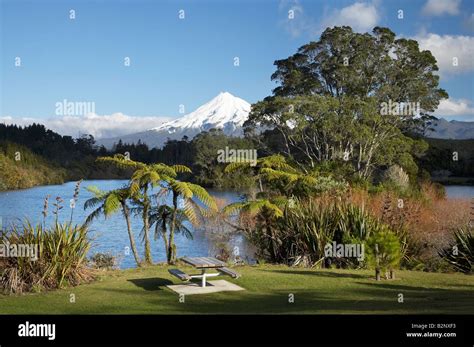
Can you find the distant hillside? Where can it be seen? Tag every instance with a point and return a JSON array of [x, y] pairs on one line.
[[20, 168], [454, 129], [439, 159]]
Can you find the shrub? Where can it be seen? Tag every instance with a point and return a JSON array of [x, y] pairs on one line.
[[304, 230], [397, 176], [423, 224], [301, 234], [460, 253], [62, 251], [383, 252], [103, 261]]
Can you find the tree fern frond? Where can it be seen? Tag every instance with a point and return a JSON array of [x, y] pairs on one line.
[[233, 208], [272, 174], [181, 169], [120, 161], [236, 166], [94, 215], [202, 194], [190, 212], [111, 204], [182, 188]]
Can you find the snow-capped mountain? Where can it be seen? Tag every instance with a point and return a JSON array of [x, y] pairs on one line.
[[443, 129], [225, 111]]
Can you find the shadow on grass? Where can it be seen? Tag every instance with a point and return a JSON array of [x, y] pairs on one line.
[[382, 301], [364, 298], [440, 293], [322, 273], [151, 284]]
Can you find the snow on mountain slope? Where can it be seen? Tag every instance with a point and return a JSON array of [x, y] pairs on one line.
[[217, 113], [225, 111]]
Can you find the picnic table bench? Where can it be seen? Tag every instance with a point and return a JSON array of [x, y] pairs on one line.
[[180, 274], [228, 272], [204, 264]]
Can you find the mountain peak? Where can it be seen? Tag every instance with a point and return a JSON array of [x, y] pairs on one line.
[[225, 95], [225, 111]]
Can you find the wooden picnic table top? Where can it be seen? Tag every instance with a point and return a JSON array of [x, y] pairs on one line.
[[204, 262]]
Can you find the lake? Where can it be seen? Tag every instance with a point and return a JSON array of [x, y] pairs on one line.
[[109, 236], [460, 191]]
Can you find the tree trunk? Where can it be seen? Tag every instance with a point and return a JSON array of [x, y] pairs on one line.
[[126, 213], [273, 240], [146, 227], [171, 246], [392, 274], [377, 261], [164, 216], [260, 184]]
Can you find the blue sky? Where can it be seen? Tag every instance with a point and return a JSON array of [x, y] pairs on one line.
[[189, 61]]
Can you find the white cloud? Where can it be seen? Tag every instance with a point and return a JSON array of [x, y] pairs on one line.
[[440, 7], [361, 16], [463, 109], [296, 22], [100, 126], [447, 47]]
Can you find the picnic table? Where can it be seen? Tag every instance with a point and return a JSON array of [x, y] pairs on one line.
[[204, 264]]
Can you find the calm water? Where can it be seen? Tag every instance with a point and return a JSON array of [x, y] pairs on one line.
[[460, 191], [109, 235]]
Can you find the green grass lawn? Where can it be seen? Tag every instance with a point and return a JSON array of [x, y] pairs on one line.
[[144, 291]]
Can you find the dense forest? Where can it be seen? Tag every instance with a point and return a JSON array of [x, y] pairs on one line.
[[21, 168], [76, 158], [450, 161], [47, 157]]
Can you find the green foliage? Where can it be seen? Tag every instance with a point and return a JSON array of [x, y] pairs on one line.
[[108, 203], [209, 172], [305, 227], [62, 251], [168, 218], [354, 223], [275, 174], [104, 261], [271, 207], [161, 217], [383, 250], [304, 230], [326, 110], [439, 162], [290, 226], [460, 253], [28, 171]]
